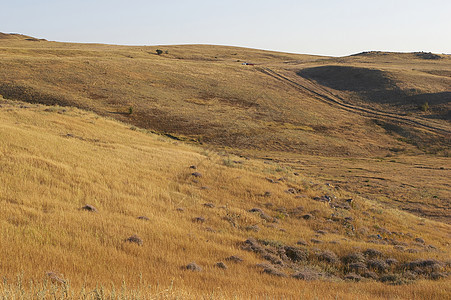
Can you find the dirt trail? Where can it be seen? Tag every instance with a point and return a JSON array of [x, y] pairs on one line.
[[325, 96]]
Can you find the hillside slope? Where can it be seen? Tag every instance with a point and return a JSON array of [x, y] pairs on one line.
[[56, 160], [349, 121], [281, 102]]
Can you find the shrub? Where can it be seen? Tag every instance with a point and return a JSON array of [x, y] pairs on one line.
[[370, 275], [353, 277], [424, 266], [199, 219], [159, 52], [253, 245], [410, 275], [221, 265], [391, 261], [301, 242], [393, 279], [193, 267], [234, 258], [372, 253], [437, 275], [135, 239], [254, 228], [412, 250], [308, 274], [353, 258], [328, 256], [399, 248], [272, 243], [266, 217], [268, 269], [425, 107], [419, 240], [389, 277], [257, 210], [377, 265], [90, 208], [358, 267], [296, 212], [273, 259], [296, 254], [307, 217]]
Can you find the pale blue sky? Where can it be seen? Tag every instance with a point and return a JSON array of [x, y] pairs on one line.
[[315, 27]]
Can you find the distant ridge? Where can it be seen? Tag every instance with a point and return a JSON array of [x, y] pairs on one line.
[[419, 54], [18, 36]]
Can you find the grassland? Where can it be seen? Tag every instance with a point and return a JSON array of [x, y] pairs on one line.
[[204, 93], [363, 106], [273, 140], [55, 160]]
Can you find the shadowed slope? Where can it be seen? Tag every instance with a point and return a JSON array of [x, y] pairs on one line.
[[376, 87], [372, 85]]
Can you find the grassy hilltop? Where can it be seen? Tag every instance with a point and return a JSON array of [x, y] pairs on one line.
[[359, 106], [299, 173]]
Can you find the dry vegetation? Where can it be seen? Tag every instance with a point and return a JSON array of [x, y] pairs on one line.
[[92, 207], [56, 160], [204, 93]]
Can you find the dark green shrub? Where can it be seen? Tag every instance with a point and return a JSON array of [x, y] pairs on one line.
[[425, 107]]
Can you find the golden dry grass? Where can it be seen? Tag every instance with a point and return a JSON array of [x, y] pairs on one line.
[[204, 93], [287, 114], [54, 160]]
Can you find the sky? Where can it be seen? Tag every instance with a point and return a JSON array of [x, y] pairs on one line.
[[323, 27]]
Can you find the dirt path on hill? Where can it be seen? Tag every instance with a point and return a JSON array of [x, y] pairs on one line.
[[309, 87]]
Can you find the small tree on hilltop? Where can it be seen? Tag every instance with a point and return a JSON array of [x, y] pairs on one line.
[[159, 52]]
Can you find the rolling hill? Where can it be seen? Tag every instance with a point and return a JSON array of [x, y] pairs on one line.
[[285, 102], [285, 107], [192, 175]]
